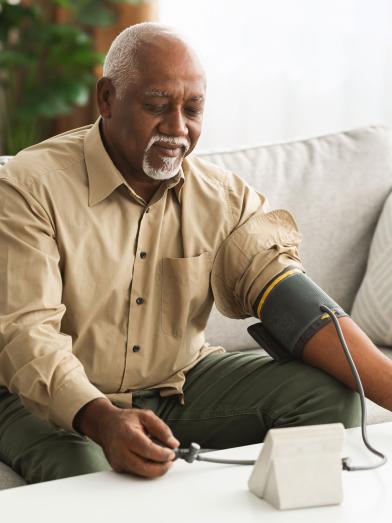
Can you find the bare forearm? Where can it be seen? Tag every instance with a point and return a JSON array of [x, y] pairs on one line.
[[324, 351], [88, 419]]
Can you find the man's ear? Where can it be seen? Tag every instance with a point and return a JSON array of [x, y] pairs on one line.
[[106, 93]]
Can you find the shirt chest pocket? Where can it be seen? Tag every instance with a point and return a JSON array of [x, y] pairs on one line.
[[186, 293]]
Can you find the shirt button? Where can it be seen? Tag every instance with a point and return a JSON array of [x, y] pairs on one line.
[[147, 210], [143, 255], [139, 301], [136, 348]]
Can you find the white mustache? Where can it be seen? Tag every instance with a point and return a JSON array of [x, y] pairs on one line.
[[171, 140]]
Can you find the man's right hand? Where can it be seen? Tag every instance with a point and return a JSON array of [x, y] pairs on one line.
[[125, 436]]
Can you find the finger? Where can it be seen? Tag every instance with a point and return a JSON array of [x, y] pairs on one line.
[[140, 444], [158, 429], [145, 468]]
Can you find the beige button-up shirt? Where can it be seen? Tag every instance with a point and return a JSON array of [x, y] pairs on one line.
[[102, 293]]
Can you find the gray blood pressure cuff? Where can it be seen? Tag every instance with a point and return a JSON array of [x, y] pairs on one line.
[[289, 310]]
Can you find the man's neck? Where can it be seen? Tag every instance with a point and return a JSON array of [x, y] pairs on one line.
[[145, 190]]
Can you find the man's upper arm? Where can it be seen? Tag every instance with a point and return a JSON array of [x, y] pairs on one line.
[[261, 245], [36, 359]]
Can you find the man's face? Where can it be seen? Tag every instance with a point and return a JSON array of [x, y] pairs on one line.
[[158, 120]]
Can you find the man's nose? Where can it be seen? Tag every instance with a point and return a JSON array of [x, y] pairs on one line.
[[174, 124]]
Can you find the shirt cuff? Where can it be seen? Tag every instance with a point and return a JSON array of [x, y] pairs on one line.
[[76, 392]]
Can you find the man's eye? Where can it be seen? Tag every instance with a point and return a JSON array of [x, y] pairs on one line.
[[154, 108], [194, 111]]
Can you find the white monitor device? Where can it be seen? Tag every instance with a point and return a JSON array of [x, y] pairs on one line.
[[300, 467]]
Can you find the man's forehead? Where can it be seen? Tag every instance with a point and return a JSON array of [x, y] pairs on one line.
[[167, 63]]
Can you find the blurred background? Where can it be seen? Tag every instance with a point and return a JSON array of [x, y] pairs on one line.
[[277, 69]]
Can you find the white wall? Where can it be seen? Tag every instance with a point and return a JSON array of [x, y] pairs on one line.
[[283, 69]]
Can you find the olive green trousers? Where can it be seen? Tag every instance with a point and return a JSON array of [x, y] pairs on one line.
[[231, 399]]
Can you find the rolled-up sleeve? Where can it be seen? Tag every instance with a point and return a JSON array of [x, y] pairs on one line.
[[36, 359], [254, 253]]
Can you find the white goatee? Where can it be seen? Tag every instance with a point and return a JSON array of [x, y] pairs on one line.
[[170, 164]]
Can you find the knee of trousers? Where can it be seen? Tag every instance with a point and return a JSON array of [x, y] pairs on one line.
[[67, 459], [333, 402], [344, 405], [312, 397], [84, 459]]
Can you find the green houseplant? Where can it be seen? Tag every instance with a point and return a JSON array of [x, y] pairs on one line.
[[46, 67]]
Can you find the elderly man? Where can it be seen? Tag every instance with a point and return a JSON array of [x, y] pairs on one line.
[[114, 242]]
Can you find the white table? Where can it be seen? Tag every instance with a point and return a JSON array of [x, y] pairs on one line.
[[201, 493]]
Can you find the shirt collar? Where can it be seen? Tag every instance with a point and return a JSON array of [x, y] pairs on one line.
[[103, 175], [177, 182]]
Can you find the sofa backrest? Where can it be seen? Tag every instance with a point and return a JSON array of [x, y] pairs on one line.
[[335, 187]]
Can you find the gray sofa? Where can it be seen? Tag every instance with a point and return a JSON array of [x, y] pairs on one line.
[[335, 186]]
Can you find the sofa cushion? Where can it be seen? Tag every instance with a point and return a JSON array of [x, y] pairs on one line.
[[335, 186], [230, 334], [372, 308], [9, 478]]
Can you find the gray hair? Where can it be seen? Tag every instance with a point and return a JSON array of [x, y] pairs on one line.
[[121, 63]]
